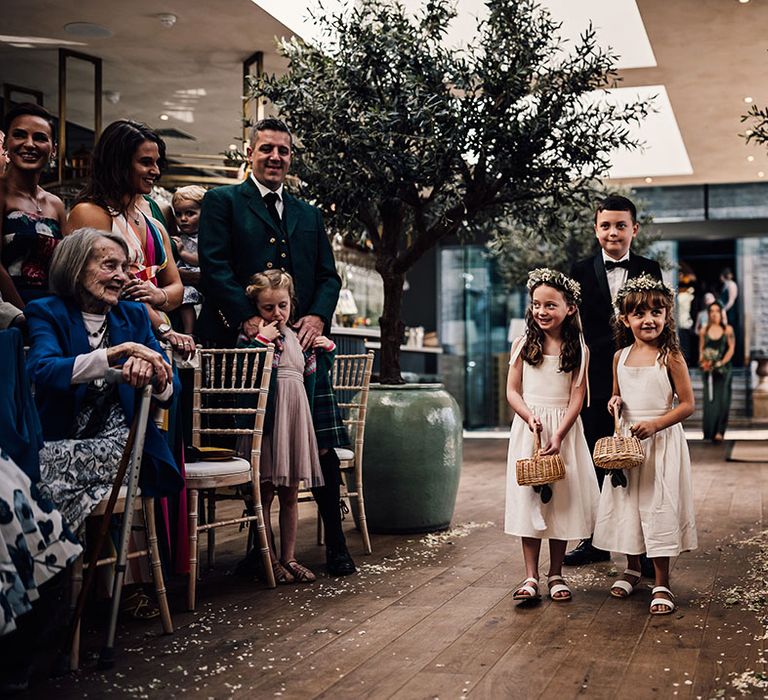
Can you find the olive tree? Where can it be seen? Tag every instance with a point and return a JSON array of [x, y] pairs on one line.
[[404, 141]]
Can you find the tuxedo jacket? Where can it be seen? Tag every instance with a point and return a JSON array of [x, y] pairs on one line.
[[58, 335], [597, 313], [238, 238]]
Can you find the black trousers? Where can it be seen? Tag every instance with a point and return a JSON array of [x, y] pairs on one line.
[[598, 423]]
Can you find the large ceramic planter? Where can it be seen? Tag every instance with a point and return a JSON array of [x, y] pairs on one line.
[[412, 458]]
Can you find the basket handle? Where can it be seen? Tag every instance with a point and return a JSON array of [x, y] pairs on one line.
[[616, 421], [536, 442]]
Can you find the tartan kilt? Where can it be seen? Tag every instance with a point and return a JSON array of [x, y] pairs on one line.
[[326, 415]]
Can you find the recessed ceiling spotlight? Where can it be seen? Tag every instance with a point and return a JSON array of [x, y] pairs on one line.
[[748, 100], [760, 173], [232, 147], [750, 159], [164, 117], [748, 132], [743, 2], [87, 29], [167, 19], [649, 180]]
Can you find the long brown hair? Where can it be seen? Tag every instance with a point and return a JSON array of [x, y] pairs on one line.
[[570, 348], [640, 300]]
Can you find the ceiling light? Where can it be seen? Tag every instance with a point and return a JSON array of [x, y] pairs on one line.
[[760, 173], [88, 30], [748, 132], [112, 96], [21, 46], [743, 2], [748, 100], [164, 117], [649, 180], [232, 147], [167, 19], [750, 159]]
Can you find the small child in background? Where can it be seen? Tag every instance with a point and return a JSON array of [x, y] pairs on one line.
[[186, 203], [651, 509], [546, 387]]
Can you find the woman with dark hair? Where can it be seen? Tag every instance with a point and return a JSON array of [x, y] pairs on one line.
[[127, 162], [717, 344], [31, 219]]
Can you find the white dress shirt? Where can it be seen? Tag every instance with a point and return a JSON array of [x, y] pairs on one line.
[[616, 277], [279, 192], [93, 365]]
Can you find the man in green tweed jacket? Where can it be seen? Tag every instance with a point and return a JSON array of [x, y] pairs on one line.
[[256, 226]]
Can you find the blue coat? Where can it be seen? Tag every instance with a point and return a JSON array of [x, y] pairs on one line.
[[58, 335]]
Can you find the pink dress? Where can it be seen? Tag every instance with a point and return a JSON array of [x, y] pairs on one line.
[[289, 454]]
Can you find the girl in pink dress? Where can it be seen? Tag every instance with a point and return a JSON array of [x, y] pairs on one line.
[[289, 451]]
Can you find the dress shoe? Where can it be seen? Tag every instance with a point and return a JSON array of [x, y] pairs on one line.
[[585, 553], [338, 562]]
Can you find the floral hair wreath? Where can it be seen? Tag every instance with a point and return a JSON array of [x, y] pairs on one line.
[[643, 283], [545, 275]]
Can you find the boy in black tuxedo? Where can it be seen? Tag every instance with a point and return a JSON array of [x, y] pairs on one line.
[[601, 277]]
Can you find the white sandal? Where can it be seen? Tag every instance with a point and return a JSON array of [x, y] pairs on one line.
[[626, 586], [666, 603], [561, 587], [531, 591]]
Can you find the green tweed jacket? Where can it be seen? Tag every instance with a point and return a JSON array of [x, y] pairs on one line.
[[237, 238]]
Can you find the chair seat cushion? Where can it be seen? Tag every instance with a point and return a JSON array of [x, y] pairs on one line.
[[207, 470], [344, 454]]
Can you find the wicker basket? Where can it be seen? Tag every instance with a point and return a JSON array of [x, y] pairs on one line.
[[539, 470], [618, 451]]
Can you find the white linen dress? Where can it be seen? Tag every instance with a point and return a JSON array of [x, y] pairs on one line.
[[654, 513], [570, 515]]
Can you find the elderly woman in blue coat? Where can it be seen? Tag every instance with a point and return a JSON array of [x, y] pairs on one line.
[[76, 334]]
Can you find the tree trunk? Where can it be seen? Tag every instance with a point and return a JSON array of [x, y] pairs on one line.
[[392, 328]]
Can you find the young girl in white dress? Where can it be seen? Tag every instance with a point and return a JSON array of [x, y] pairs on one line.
[[653, 513], [546, 387]]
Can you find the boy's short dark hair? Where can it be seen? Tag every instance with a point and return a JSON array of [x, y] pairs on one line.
[[30, 108], [270, 124], [615, 202]]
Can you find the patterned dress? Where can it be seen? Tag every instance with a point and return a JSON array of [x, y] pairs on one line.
[[78, 473], [35, 543], [29, 240]]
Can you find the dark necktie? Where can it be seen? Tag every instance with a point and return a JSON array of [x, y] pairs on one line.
[[610, 264], [270, 199]]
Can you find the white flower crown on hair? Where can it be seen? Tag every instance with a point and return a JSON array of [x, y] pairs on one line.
[[643, 283], [545, 275]]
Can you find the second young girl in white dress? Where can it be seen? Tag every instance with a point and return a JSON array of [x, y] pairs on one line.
[[546, 387]]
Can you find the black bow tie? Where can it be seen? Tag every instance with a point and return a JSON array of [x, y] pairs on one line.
[[612, 264]]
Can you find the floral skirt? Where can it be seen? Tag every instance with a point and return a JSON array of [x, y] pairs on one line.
[[77, 474], [35, 543]]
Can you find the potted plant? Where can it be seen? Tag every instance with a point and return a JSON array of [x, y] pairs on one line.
[[405, 142]]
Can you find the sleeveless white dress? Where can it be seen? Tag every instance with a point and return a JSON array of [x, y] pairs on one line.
[[654, 513], [570, 515]]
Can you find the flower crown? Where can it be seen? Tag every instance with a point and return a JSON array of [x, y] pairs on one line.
[[545, 275], [643, 283]]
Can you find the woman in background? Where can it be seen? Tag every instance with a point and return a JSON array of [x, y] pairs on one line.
[[716, 347]]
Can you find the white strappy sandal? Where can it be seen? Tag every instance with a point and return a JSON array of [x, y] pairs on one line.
[[531, 591], [626, 586], [668, 605], [561, 587]]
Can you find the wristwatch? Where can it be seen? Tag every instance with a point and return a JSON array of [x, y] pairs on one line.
[[163, 329]]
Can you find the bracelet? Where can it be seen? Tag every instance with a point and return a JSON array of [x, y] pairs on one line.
[[165, 301]]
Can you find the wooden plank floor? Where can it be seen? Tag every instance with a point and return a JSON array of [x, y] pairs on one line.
[[433, 616]]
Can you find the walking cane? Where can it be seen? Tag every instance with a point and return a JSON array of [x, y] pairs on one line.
[[130, 461]]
